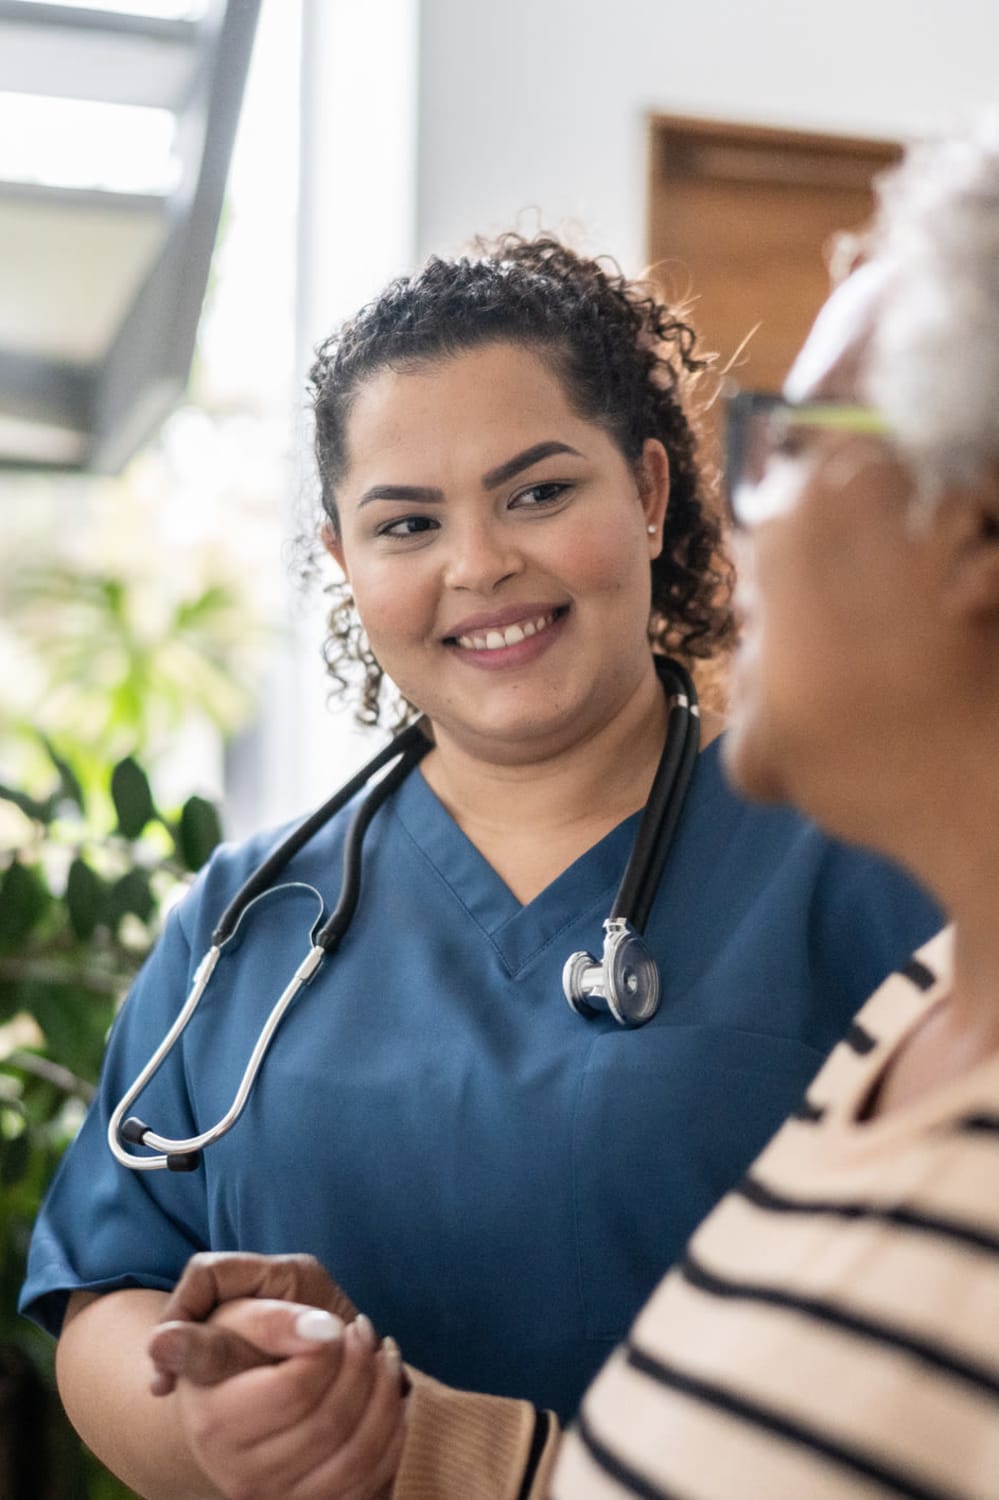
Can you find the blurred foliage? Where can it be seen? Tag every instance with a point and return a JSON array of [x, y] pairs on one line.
[[119, 671], [108, 666], [81, 903]]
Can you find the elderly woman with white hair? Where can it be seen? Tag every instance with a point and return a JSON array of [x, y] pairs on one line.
[[833, 1330]]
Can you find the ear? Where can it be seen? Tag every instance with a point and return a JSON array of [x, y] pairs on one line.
[[653, 491], [973, 585], [330, 538]]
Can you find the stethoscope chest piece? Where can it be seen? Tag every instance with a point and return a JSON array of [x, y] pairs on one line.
[[624, 982]]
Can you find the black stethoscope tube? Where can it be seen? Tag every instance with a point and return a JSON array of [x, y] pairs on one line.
[[409, 747], [412, 744], [624, 982], [640, 883]]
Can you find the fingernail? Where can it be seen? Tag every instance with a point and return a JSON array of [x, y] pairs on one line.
[[392, 1355], [366, 1330], [318, 1327]]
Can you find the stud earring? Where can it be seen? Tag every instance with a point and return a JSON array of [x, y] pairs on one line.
[[652, 530]]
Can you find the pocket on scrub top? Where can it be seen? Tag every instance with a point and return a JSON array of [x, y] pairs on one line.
[[668, 1119]]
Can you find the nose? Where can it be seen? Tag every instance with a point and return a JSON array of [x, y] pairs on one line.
[[481, 555]]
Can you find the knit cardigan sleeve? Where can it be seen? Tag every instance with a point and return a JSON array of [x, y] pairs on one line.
[[464, 1446]]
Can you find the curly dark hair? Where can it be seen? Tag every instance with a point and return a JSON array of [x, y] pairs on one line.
[[626, 361]]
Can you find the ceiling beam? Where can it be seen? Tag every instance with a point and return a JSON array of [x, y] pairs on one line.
[[178, 30], [41, 390], [147, 367]]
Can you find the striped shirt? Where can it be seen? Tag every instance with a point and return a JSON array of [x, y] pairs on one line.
[[833, 1330]]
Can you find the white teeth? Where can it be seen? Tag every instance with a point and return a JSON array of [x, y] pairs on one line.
[[495, 640]]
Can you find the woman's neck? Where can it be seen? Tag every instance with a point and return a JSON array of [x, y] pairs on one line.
[[963, 1030], [532, 819], [975, 991]]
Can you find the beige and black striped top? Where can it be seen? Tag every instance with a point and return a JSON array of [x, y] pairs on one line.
[[834, 1328]]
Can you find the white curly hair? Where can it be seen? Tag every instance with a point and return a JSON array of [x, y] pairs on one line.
[[932, 364]]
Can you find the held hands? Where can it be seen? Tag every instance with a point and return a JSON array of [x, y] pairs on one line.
[[279, 1399], [212, 1279]]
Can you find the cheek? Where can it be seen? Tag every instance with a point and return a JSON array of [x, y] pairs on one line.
[[609, 562], [790, 635], [392, 602]]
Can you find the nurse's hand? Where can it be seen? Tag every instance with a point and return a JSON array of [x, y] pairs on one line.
[[213, 1278], [322, 1420], [218, 1276]]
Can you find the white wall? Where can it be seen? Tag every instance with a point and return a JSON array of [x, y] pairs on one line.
[[542, 103], [356, 230]]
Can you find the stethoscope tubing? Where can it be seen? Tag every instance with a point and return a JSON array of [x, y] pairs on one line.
[[408, 748], [631, 909], [136, 1131], [411, 742], [640, 882]]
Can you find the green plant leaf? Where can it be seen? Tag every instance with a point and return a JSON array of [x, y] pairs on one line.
[[24, 899], [198, 831], [86, 899], [11, 998], [42, 812], [133, 893], [74, 1023], [70, 789], [15, 1159], [133, 800]]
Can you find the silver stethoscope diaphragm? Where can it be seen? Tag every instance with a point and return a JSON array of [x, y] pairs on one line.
[[624, 981]]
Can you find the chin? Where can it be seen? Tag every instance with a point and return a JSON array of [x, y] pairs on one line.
[[749, 767]]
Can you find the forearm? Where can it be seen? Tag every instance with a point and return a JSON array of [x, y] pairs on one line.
[[458, 1445], [464, 1446], [103, 1373]]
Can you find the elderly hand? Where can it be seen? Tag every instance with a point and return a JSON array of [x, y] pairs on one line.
[[322, 1419], [211, 1279]]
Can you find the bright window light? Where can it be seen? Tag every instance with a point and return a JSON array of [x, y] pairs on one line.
[[37, 442], [77, 143], [162, 10]]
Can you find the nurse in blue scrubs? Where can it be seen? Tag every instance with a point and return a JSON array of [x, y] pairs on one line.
[[510, 488]]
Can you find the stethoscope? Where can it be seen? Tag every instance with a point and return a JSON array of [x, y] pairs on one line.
[[624, 981]]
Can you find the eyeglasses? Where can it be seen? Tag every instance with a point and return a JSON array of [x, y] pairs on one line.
[[760, 427]]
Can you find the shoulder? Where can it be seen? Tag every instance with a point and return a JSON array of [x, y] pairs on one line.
[[779, 834], [808, 915], [233, 863]]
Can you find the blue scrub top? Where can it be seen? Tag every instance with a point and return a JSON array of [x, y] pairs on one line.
[[495, 1181]]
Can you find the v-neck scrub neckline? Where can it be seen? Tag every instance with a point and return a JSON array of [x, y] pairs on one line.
[[518, 931]]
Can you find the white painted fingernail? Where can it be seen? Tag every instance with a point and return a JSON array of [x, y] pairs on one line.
[[391, 1355], [318, 1326], [366, 1329]]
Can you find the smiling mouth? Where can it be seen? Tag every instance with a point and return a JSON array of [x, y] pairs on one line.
[[509, 635]]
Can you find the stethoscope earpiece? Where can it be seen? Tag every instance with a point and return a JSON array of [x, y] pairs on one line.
[[171, 1155], [136, 1131]]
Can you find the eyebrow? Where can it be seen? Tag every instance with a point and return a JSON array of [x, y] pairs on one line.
[[421, 494], [522, 461], [413, 494]]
